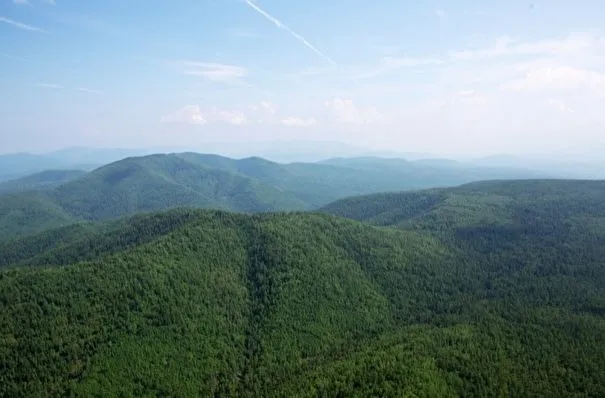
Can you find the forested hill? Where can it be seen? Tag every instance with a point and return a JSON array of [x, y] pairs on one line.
[[159, 182], [479, 203], [43, 180], [491, 289]]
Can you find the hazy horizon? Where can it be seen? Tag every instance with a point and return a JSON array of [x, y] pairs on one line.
[[308, 151], [456, 80]]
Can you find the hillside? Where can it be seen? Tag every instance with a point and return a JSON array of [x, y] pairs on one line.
[[30, 213], [159, 182], [466, 297], [135, 185], [41, 181], [548, 229], [485, 202], [165, 181], [323, 182]]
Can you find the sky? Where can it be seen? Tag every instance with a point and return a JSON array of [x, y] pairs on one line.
[[455, 77]]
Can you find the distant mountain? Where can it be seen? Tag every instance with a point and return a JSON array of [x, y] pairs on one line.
[[159, 182], [325, 181], [98, 156], [488, 289], [516, 205], [297, 150], [562, 167], [17, 165], [156, 182], [426, 173], [43, 180]]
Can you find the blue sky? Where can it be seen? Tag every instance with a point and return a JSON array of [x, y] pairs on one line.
[[456, 77]]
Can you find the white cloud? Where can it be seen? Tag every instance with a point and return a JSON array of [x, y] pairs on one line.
[[47, 85], [213, 71], [388, 64], [265, 107], [540, 78], [573, 44], [190, 114], [21, 2], [510, 94], [261, 113], [297, 122], [89, 90], [21, 25], [559, 105], [507, 55], [345, 111], [235, 117]]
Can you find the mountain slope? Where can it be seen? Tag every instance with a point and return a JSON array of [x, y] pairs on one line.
[[326, 181], [88, 241], [485, 201], [43, 180], [237, 293], [136, 185], [164, 181], [553, 230], [157, 182], [192, 303], [30, 213]]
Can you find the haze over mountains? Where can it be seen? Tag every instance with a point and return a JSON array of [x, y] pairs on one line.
[[270, 198], [350, 275], [163, 181], [21, 164]]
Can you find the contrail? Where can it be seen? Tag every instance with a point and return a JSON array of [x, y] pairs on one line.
[[21, 25], [280, 25]]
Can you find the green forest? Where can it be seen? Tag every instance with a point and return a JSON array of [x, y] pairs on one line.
[[486, 289], [56, 198]]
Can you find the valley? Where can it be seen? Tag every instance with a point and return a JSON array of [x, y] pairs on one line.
[[485, 288]]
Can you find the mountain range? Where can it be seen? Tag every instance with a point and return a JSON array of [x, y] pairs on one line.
[[15, 165], [488, 288], [164, 181]]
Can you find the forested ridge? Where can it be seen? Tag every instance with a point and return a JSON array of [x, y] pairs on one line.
[[43, 180], [165, 181], [487, 289]]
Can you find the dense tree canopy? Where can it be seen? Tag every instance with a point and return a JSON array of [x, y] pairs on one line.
[[493, 289], [166, 181]]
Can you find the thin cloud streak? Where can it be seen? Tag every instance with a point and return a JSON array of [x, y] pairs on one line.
[[10, 56], [213, 71], [89, 90], [47, 85], [21, 25], [297, 36]]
